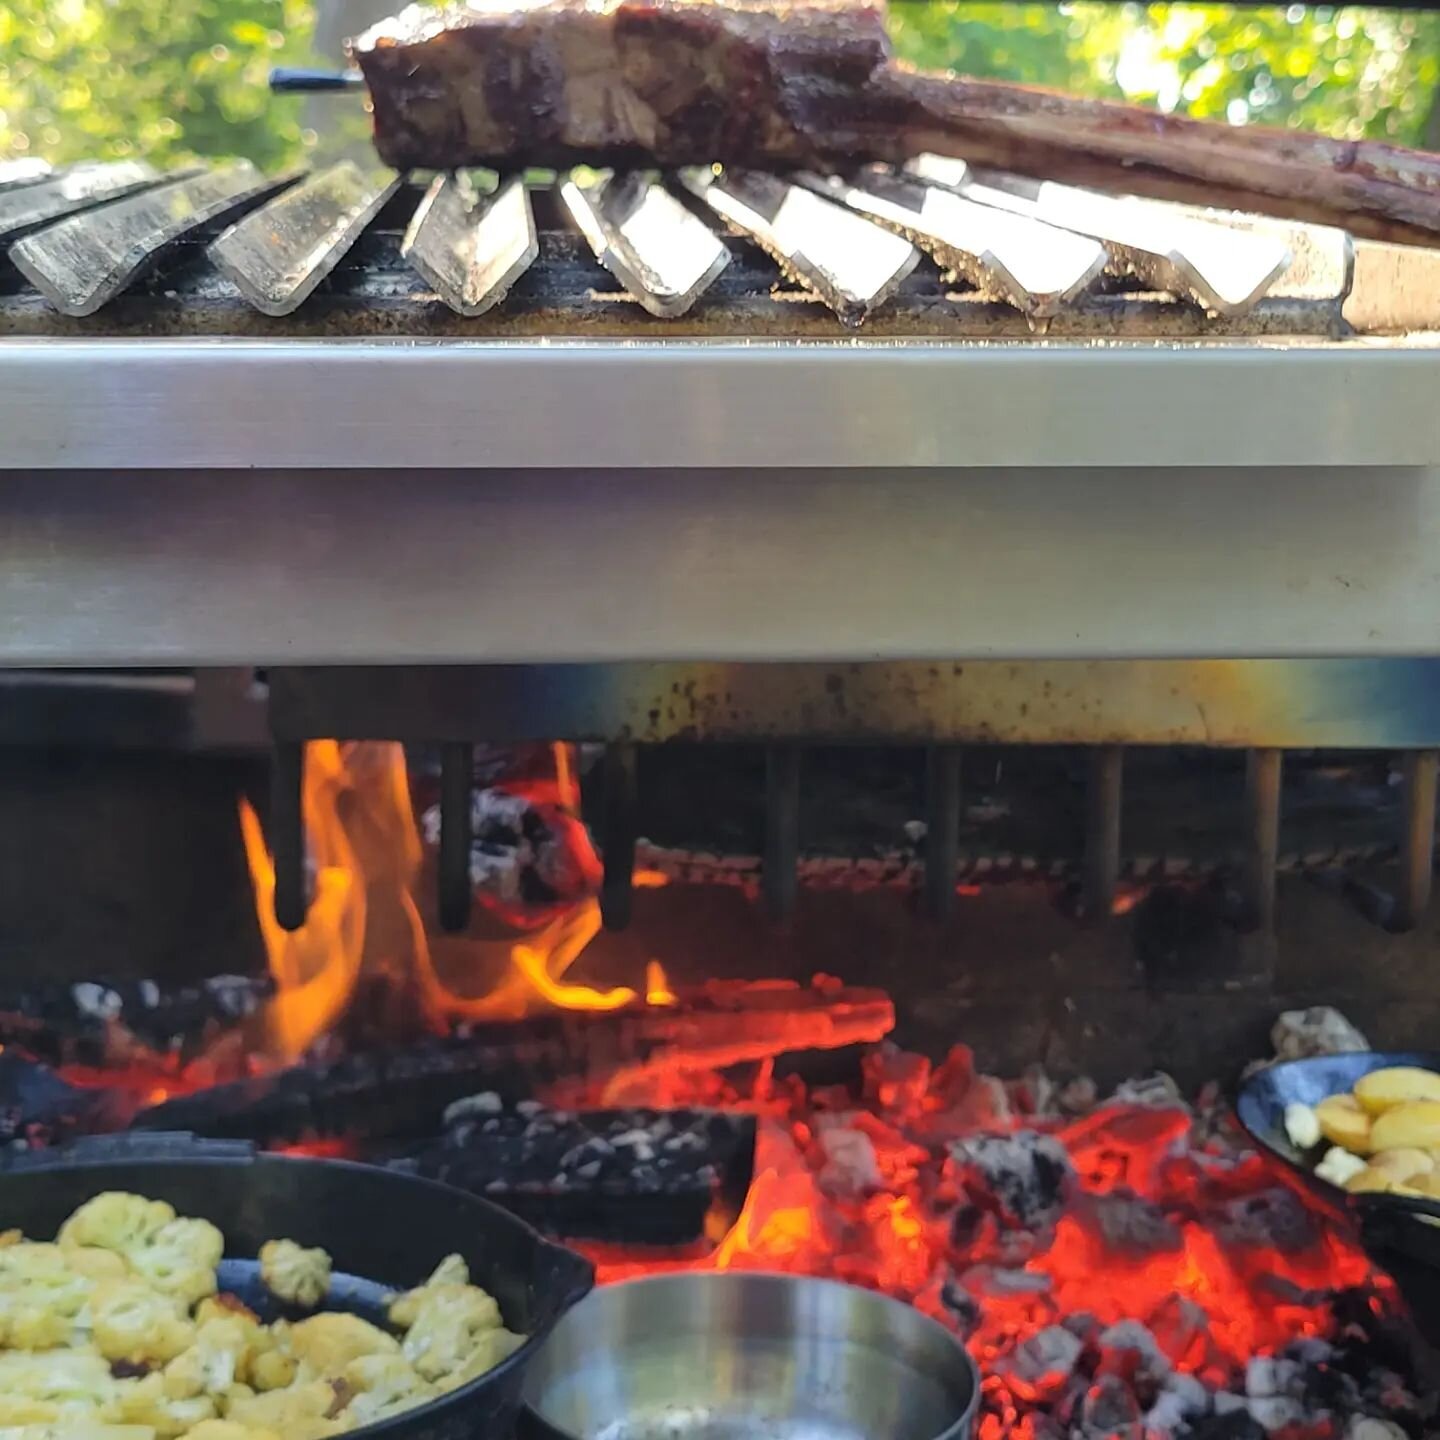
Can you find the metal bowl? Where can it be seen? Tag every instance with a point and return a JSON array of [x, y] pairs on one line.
[[749, 1357]]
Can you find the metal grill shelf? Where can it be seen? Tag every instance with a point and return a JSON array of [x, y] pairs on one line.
[[375, 292]]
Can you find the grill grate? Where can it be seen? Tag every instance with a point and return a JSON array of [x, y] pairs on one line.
[[331, 257]]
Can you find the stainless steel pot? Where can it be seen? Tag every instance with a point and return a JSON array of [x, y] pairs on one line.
[[749, 1357]]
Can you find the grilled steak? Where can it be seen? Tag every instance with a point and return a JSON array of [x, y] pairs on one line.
[[777, 84]]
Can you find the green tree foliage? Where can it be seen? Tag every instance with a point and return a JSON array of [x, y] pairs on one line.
[[1346, 72], [164, 79], [175, 79]]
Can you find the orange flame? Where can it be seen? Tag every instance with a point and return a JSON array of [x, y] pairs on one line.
[[315, 968], [366, 856], [657, 985]]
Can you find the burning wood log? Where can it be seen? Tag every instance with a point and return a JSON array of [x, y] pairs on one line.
[[811, 84], [405, 1091], [101, 1022]]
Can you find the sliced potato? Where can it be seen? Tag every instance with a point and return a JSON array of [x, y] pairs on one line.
[[1382, 1090], [1413, 1123], [1371, 1179], [1344, 1123], [1402, 1165]]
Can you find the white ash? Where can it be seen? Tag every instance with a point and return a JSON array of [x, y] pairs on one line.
[[1026, 1177], [97, 1001], [1181, 1328], [1078, 1096], [1181, 1399], [1267, 1375], [1366, 1427], [851, 1166], [1049, 1354], [1001, 1282], [487, 1102], [1129, 1347], [1320, 1030], [1158, 1089], [235, 996], [1109, 1409]]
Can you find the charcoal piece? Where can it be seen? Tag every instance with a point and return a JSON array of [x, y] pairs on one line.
[[37, 1107], [1274, 1219], [1025, 1178], [1129, 1222], [631, 1175], [1237, 1425], [80, 1023]]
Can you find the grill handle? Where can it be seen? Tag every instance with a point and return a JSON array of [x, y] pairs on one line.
[[290, 81]]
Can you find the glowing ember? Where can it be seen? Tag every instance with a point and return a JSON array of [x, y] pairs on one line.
[[1148, 1220]]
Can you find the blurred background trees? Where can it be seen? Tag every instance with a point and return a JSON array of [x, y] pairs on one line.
[[174, 79]]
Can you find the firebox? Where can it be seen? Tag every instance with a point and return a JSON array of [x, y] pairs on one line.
[[739, 789]]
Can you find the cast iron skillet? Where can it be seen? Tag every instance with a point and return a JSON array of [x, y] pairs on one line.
[[1393, 1228], [384, 1231]]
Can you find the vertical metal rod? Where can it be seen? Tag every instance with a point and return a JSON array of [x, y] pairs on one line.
[[942, 828], [617, 837], [457, 780], [1102, 829], [287, 832], [1262, 836], [1417, 841], [780, 876]]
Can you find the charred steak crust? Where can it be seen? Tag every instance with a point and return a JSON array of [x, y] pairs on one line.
[[777, 84], [667, 82]]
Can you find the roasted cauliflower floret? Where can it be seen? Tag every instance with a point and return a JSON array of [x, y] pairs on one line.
[[144, 1402], [41, 1296], [295, 1274], [224, 1306], [116, 1220], [384, 1385], [451, 1271], [228, 1430], [272, 1369], [217, 1360], [325, 1344], [134, 1323], [61, 1376], [447, 1328], [264, 1361], [488, 1351], [301, 1412], [179, 1259]]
